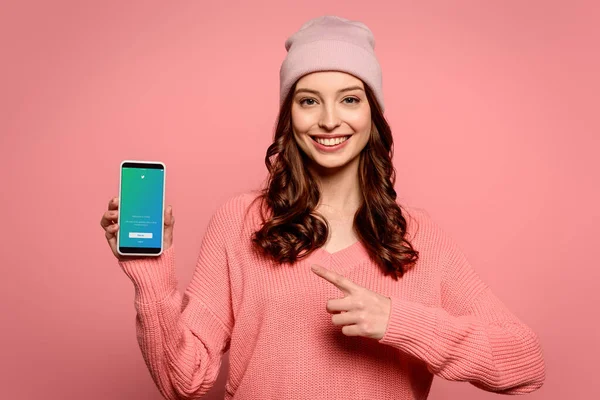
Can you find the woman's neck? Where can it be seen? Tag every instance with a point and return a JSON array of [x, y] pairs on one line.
[[340, 189]]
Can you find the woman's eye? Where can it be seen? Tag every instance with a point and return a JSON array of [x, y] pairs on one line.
[[310, 102]]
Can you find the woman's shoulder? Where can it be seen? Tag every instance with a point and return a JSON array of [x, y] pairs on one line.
[[414, 216], [413, 212], [240, 202], [239, 207], [420, 223], [426, 230]]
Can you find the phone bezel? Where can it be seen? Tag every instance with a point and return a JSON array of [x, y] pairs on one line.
[[142, 251]]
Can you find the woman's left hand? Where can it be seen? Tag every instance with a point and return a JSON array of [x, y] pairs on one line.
[[361, 312]]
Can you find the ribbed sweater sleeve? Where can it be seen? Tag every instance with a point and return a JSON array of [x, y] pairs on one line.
[[182, 337], [472, 337]]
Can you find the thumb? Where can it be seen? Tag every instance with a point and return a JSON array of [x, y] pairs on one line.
[[169, 218], [169, 221]]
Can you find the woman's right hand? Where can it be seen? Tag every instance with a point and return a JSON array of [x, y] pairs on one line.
[[110, 224]]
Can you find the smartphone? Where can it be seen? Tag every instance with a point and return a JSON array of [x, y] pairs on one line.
[[141, 208]]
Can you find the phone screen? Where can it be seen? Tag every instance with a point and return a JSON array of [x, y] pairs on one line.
[[141, 208]]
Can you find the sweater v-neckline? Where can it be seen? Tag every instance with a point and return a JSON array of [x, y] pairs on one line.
[[342, 260]]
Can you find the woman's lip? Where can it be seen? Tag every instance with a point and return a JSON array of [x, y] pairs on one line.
[[329, 136], [331, 149]]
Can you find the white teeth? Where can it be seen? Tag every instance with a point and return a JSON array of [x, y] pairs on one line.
[[332, 142]]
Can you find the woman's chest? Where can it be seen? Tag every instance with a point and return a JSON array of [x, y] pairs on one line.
[[269, 290]]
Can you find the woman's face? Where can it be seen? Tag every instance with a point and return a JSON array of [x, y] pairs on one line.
[[331, 107]]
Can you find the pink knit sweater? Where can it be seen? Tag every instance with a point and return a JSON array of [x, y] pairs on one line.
[[283, 345]]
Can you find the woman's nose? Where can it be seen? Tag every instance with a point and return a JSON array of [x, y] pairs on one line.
[[329, 119]]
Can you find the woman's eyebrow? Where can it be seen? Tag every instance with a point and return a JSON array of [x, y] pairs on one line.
[[339, 91]]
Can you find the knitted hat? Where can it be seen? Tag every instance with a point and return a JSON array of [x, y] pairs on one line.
[[331, 43]]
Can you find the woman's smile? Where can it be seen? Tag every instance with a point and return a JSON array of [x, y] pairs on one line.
[[330, 144]]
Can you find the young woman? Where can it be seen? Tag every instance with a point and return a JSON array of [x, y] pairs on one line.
[[391, 300]]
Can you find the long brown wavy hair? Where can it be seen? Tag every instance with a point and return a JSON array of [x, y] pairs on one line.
[[292, 229]]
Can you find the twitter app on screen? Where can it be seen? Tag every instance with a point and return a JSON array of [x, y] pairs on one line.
[[141, 207]]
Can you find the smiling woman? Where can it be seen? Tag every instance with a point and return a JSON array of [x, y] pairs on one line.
[[331, 130], [326, 235]]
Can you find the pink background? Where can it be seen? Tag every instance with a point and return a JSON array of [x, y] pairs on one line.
[[494, 109]]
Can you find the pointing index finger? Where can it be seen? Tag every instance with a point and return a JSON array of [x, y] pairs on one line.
[[342, 283]]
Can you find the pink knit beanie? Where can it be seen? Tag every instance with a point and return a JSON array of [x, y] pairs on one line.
[[331, 43]]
